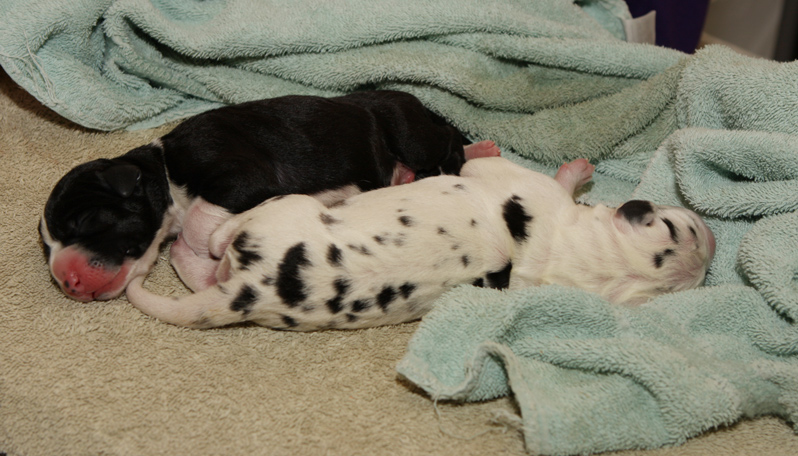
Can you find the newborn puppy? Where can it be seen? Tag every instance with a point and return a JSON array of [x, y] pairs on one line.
[[106, 219], [384, 256]]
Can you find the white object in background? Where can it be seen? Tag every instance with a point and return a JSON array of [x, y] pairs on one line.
[[641, 29]]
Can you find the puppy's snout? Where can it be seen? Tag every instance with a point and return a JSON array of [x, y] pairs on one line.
[[637, 212]]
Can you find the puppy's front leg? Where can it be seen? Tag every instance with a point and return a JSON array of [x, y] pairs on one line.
[[575, 174], [190, 253]]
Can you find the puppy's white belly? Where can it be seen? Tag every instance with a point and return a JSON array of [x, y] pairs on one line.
[[369, 262]]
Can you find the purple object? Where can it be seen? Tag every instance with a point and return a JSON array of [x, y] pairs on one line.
[[679, 22]]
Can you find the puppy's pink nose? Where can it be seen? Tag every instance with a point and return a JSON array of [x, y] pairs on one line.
[[74, 287]]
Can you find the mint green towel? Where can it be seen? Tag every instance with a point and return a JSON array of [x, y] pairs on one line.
[[111, 64], [589, 376]]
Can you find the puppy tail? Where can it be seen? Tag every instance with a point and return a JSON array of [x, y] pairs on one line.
[[207, 309]]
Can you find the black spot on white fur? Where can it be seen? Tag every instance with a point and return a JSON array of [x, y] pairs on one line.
[[672, 229], [407, 289], [407, 221], [244, 300], [385, 297], [500, 279], [360, 305], [516, 218], [659, 258], [635, 211], [328, 219], [334, 255], [465, 260], [246, 256], [290, 287], [288, 321], [361, 249], [341, 287]]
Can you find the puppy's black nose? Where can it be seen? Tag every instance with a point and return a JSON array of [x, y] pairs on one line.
[[636, 211]]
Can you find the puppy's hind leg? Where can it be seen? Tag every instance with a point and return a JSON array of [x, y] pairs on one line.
[[572, 176], [481, 149]]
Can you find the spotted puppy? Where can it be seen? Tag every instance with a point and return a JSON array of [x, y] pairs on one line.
[[382, 257]]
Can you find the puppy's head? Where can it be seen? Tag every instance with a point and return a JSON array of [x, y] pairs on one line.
[[664, 249], [99, 226]]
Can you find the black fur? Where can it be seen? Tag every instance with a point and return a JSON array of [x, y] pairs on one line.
[[516, 218], [244, 300], [659, 258], [500, 279], [341, 288], [290, 286], [672, 229], [239, 156], [334, 255], [385, 297], [635, 210], [407, 289], [246, 256]]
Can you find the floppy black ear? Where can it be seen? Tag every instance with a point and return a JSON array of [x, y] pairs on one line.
[[121, 178]]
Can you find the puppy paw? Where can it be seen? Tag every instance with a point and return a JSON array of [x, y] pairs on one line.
[[481, 149], [575, 174]]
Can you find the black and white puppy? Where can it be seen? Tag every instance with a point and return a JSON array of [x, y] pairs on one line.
[[383, 257], [105, 220]]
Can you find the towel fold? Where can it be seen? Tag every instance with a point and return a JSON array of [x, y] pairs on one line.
[[589, 376]]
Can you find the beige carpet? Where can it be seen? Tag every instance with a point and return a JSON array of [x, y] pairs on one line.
[[103, 379]]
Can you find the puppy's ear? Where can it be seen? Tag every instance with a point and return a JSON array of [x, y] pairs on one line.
[[121, 178]]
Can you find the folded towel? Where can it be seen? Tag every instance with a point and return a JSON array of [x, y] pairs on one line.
[[589, 376], [137, 63]]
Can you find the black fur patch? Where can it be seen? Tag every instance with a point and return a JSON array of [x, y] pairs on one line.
[[328, 219], [635, 211], [290, 322], [351, 318], [334, 255], [361, 249], [516, 218], [459, 186], [360, 305], [480, 282], [385, 297], [290, 287], [500, 279], [379, 240], [341, 286], [407, 289], [671, 229], [246, 256], [407, 221], [473, 222], [442, 231], [466, 260], [659, 258], [244, 300]]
